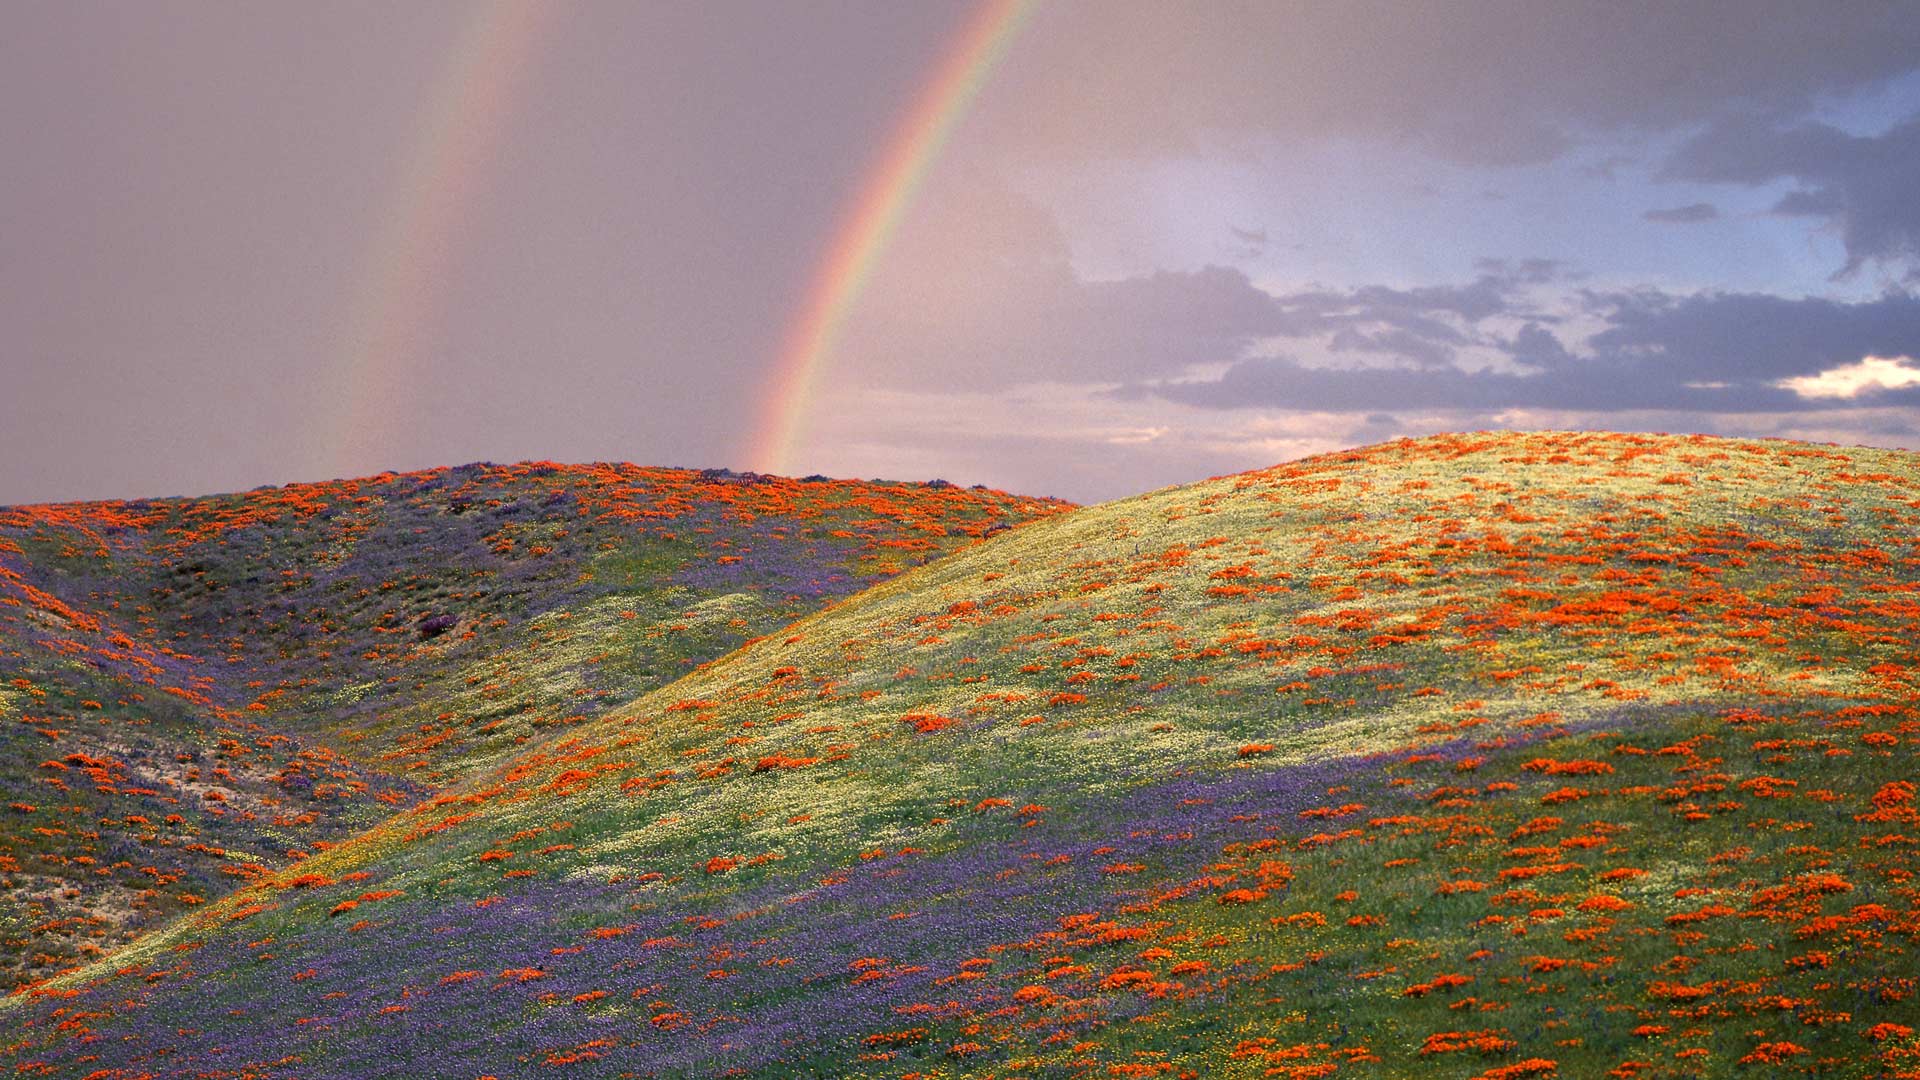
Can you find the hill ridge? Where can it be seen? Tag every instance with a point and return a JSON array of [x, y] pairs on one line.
[[1497, 750], [247, 674]]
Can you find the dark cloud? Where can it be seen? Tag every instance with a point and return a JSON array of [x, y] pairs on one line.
[[1501, 82], [1747, 336], [1065, 330], [1690, 214], [1491, 293], [1419, 349], [1536, 346], [1722, 353], [986, 295], [1010, 310], [1863, 184]]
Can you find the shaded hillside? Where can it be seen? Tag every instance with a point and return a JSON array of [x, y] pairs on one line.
[[196, 691], [1488, 756]]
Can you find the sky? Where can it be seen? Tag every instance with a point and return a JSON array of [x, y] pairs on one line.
[[1081, 249]]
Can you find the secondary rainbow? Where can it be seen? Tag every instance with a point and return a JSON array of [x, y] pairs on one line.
[[876, 211], [396, 308]]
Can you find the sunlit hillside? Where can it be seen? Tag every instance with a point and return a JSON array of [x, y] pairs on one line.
[[194, 692], [1489, 756]]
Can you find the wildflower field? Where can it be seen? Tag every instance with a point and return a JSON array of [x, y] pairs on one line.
[[1475, 757], [197, 692]]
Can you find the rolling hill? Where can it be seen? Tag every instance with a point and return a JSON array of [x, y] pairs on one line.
[[1487, 756], [195, 692]]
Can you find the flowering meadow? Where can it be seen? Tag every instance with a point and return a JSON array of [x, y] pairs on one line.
[[197, 692], [1478, 757]]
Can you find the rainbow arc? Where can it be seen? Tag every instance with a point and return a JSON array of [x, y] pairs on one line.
[[876, 211]]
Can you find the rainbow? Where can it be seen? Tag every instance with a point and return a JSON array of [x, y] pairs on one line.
[[874, 215], [396, 309]]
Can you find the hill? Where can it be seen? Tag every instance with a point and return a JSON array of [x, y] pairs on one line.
[[1489, 756], [194, 692]]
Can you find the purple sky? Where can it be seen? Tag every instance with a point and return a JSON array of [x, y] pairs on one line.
[[1167, 241]]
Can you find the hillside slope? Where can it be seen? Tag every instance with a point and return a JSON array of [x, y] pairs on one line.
[[195, 691], [1485, 756]]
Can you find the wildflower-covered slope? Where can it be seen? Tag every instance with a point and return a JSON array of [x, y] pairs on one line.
[[1493, 756], [196, 691]]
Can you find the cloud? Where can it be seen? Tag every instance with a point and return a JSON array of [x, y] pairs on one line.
[[986, 296], [1536, 346], [983, 293], [1503, 82], [1748, 337], [979, 344], [1871, 373], [1707, 354], [1862, 184], [1690, 214]]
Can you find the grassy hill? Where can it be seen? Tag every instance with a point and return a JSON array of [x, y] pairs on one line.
[[194, 692], [1490, 756]]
